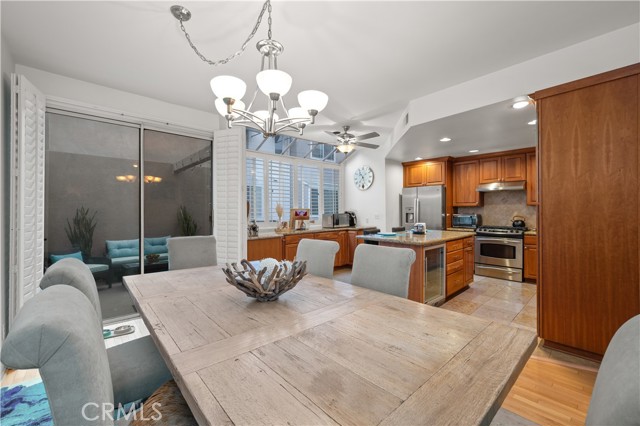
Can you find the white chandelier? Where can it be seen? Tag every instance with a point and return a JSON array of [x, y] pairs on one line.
[[271, 81]]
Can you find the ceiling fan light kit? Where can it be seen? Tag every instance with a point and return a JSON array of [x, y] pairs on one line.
[[271, 81]]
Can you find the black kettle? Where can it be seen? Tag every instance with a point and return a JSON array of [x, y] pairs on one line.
[[518, 222]]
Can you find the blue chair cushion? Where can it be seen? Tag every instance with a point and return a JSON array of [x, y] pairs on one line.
[[124, 260], [55, 257], [97, 267], [122, 248], [156, 245]]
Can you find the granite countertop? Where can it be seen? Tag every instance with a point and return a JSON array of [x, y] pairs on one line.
[[272, 234], [461, 229], [531, 232], [430, 238]]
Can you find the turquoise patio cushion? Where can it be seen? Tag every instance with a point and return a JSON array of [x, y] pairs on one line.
[[97, 267], [55, 257], [122, 248], [124, 260], [156, 245]]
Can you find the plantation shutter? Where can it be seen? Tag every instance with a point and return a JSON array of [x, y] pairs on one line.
[[309, 189], [255, 188], [331, 189], [280, 184], [26, 257]]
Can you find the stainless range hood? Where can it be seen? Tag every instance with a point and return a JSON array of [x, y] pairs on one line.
[[501, 186]]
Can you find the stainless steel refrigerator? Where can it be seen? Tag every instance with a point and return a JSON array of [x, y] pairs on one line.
[[424, 204]]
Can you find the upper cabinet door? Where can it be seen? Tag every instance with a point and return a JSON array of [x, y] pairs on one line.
[[491, 170], [514, 168], [532, 179], [414, 174], [465, 182], [435, 173]]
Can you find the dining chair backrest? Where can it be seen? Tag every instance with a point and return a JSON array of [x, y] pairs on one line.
[[192, 252], [57, 331], [75, 273], [616, 394], [320, 256], [384, 269]]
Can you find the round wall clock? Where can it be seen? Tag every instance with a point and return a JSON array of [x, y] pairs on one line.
[[363, 178]]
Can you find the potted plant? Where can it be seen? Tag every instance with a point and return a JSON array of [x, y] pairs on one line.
[[188, 226], [80, 230]]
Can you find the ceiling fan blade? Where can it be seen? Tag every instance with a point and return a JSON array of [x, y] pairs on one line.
[[366, 145], [367, 136], [331, 133]]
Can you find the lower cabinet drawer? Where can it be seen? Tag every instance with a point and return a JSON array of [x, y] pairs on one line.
[[455, 282], [468, 242], [455, 245], [454, 256], [455, 266]]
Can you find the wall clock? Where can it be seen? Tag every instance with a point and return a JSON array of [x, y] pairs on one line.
[[363, 177]]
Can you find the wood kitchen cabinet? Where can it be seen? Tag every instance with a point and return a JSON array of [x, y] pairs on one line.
[[458, 268], [531, 257], [353, 242], [507, 168], [588, 149], [469, 260], [263, 248], [465, 181], [532, 179], [290, 245], [339, 237], [424, 173]]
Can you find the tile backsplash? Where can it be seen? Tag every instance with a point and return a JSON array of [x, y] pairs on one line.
[[500, 206]]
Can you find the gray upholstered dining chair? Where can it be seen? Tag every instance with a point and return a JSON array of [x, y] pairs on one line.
[[384, 269], [137, 368], [192, 252], [58, 332], [320, 256], [616, 394]]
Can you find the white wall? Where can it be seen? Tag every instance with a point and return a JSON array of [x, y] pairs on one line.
[[7, 65], [607, 52], [108, 99], [393, 189]]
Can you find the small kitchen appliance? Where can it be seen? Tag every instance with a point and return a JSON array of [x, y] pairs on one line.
[[419, 228], [518, 222], [336, 220], [471, 221], [353, 220]]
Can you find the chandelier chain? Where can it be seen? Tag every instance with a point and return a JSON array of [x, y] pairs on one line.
[[266, 6]]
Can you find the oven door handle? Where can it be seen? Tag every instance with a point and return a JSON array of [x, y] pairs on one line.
[[498, 240]]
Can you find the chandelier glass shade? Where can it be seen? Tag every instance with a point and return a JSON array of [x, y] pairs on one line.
[[270, 81], [345, 148]]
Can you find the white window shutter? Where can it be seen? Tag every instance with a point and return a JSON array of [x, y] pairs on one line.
[[229, 204], [27, 192]]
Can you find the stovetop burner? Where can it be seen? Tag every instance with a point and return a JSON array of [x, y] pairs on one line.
[[488, 230]]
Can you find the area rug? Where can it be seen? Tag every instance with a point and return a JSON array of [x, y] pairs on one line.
[[25, 404]]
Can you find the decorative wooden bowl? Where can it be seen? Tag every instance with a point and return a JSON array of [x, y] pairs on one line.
[[269, 282], [153, 258]]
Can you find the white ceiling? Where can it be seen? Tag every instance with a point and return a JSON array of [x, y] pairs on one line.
[[492, 128], [371, 58]]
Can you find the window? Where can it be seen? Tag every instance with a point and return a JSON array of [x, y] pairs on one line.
[[309, 189], [291, 146], [331, 185], [292, 183], [280, 188], [255, 189]]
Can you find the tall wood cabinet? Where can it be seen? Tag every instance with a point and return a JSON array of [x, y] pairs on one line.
[[589, 273]]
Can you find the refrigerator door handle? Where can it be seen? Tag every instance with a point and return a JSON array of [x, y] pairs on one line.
[[417, 203]]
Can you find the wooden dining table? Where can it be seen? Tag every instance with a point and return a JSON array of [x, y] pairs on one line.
[[325, 352]]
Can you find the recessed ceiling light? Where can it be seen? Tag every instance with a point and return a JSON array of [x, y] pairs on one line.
[[418, 158], [445, 139], [520, 104], [532, 122], [135, 165], [474, 150]]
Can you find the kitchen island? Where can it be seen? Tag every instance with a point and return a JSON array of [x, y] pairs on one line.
[[458, 263]]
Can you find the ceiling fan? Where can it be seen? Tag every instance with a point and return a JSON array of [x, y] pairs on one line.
[[348, 141]]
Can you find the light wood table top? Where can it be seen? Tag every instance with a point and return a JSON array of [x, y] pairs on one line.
[[326, 352]]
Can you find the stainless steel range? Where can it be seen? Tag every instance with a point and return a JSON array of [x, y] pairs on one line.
[[499, 252]]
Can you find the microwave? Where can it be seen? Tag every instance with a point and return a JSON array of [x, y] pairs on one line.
[[471, 221], [336, 220]]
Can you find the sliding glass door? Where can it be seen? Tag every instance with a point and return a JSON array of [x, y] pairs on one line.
[[95, 186]]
